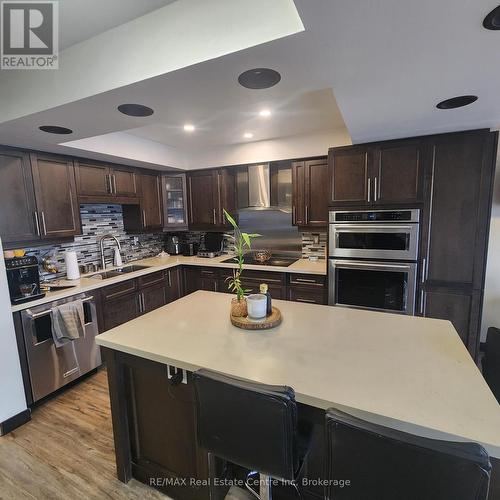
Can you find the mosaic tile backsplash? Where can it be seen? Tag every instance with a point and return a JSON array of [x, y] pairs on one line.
[[98, 220], [314, 244]]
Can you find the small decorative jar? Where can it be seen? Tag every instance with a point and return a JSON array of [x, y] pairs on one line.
[[239, 307]]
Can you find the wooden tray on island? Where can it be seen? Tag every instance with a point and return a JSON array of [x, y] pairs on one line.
[[271, 321]]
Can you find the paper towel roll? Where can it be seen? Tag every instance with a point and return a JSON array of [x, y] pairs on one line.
[[72, 270]]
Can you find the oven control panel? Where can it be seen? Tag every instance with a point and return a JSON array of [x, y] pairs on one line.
[[411, 215]]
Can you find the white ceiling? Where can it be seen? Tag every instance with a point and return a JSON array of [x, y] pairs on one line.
[[80, 20], [375, 68]]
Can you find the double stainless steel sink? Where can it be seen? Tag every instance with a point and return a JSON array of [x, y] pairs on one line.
[[117, 272]]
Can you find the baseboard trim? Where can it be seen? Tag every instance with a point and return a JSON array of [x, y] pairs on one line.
[[14, 422]]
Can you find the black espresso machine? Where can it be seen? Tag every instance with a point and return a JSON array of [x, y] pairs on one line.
[[23, 278]]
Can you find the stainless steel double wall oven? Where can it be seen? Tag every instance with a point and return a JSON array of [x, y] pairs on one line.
[[372, 260]]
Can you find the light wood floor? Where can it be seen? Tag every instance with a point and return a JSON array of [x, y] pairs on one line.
[[66, 451]]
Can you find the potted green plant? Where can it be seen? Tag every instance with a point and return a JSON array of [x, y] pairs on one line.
[[242, 242]]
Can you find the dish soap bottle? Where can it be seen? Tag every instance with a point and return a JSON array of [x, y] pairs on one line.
[[264, 290]]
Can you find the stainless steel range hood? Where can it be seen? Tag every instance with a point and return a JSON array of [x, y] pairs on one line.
[[265, 186]]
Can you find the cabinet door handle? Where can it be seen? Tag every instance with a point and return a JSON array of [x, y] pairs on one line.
[[113, 183], [375, 191], [307, 215], [169, 279], [294, 219], [215, 217], [308, 301], [422, 303], [141, 303], [43, 224], [37, 224], [144, 218], [109, 186], [369, 189], [423, 271], [304, 280], [215, 286]]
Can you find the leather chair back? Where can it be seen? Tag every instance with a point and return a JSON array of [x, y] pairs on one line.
[[491, 361], [386, 464], [252, 425]]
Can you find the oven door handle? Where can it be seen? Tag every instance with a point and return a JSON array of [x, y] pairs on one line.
[[365, 265], [373, 228]]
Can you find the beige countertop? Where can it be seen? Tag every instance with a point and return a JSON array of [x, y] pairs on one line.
[[409, 373], [87, 284]]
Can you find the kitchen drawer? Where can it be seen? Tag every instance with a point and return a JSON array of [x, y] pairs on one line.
[[308, 295], [258, 276], [118, 290], [151, 279], [307, 280], [208, 271]]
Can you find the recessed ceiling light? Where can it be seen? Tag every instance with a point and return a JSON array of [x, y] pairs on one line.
[[54, 129], [457, 102], [248, 135], [492, 20], [135, 110], [259, 78], [189, 128], [265, 113]]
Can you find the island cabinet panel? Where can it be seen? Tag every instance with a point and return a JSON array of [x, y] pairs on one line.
[[55, 193], [18, 210], [455, 228], [154, 426], [174, 285]]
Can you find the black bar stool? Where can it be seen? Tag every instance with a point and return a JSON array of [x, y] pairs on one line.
[[251, 425], [491, 361], [386, 464]]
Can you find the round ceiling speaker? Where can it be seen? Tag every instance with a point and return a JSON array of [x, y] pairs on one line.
[[135, 110], [54, 129], [259, 78], [457, 102], [492, 20]]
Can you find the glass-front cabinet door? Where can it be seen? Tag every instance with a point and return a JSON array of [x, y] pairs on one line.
[[174, 201]]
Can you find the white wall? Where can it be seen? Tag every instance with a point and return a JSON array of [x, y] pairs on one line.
[[491, 308], [12, 399], [284, 148]]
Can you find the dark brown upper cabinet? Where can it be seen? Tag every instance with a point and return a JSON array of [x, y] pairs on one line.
[[151, 204], [148, 215], [104, 184], [377, 174], [209, 193], [55, 194], [310, 196], [350, 173], [18, 215]]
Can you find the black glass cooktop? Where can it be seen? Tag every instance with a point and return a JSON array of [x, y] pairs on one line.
[[274, 261]]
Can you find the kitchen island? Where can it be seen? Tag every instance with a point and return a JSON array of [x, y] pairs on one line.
[[409, 373]]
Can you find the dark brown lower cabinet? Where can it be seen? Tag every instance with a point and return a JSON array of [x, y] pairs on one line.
[[130, 299], [308, 295], [153, 297], [462, 309], [120, 310]]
